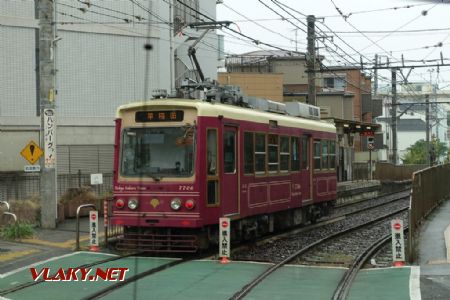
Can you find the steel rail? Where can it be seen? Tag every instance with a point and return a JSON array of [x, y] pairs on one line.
[[247, 288]]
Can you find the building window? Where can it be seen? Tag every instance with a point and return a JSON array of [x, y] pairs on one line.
[[260, 153], [248, 153], [334, 83], [273, 153], [284, 153], [184, 13]]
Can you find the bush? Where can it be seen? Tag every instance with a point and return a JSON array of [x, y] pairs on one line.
[[27, 211], [75, 197], [17, 230]]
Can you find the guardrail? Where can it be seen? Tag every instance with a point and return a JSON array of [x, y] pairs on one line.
[[429, 188]]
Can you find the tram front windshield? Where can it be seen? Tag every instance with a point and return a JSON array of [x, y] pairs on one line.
[[158, 152]]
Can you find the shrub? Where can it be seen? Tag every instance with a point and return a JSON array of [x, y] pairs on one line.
[[27, 211], [17, 230]]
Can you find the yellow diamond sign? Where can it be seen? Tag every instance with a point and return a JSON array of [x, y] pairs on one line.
[[31, 152]]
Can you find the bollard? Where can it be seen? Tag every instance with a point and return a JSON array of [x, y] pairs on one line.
[[77, 247]]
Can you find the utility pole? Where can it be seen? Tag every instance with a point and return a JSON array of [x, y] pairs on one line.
[[427, 128], [394, 115], [48, 182], [311, 60], [375, 76]]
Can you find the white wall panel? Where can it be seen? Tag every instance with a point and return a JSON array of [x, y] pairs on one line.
[[17, 72]]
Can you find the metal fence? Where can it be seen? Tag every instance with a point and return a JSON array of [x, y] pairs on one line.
[[360, 171], [389, 172], [429, 188], [19, 186]]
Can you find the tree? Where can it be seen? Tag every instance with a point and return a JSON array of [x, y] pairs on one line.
[[417, 153]]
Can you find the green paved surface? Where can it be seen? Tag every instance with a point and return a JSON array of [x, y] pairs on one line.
[[195, 280], [392, 283], [211, 280], [80, 289], [297, 282], [77, 259]]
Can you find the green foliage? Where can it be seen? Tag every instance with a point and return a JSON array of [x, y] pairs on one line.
[[417, 153], [17, 230]]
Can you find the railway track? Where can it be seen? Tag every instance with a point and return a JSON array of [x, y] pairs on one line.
[[304, 245]]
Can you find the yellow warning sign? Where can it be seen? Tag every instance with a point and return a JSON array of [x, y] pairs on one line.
[[31, 152]]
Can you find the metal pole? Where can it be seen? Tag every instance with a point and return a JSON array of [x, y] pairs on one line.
[[311, 60], [370, 164], [394, 115], [77, 247], [48, 183]]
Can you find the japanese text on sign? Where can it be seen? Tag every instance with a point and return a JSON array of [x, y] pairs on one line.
[[398, 243], [49, 138], [224, 236], [93, 228]]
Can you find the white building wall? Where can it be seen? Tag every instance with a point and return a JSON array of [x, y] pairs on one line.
[[100, 62]]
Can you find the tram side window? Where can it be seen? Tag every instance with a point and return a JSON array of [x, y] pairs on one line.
[[295, 155], [325, 154], [284, 153], [332, 153], [212, 151], [260, 153], [317, 155], [305, 153], [273, 153], [212, 172], [229, 151], [248, 153]]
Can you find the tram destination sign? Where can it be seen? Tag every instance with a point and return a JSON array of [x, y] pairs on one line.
[[159, 116]]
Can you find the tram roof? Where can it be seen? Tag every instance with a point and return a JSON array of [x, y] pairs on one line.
[[211, 109]]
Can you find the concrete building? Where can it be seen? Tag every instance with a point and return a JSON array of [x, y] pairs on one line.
[[411, 112], [100, 64], [343, 95]]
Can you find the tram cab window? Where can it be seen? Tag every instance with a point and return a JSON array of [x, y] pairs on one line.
[[158, 152]]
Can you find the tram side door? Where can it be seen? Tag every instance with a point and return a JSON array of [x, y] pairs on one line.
[[230, 166]]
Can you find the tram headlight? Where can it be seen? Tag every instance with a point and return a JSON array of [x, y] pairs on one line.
[[175, 204], [133, 204]]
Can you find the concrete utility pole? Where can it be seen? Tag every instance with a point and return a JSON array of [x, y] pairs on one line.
[[427, 128], [394, 115], [375, 76], [47, 111], [311, 60]]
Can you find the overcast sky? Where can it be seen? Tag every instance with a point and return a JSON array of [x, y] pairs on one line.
[[381, 30]]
